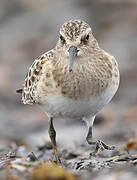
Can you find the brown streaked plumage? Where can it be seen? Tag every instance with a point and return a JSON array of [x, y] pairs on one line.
[[76, 79]]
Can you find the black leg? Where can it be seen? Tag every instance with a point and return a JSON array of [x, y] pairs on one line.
[[89, 136], [52, 135]]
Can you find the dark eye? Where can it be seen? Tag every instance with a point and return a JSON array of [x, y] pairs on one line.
[[87, 37], [62, 38]]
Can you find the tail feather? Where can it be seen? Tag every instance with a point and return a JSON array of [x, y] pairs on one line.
[[19, 91]]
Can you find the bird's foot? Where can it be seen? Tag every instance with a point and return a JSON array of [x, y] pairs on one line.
[[100, 145], [58, 161]]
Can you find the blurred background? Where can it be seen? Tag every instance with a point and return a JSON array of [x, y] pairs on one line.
[[29, 28]]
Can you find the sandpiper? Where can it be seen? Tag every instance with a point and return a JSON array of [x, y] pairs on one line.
[[76, 79]]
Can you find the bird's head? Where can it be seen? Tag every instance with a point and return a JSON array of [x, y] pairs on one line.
[[75, 41]]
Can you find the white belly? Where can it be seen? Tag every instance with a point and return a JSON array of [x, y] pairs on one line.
[[67, 108]]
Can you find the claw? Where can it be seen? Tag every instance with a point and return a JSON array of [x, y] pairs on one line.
[[107, 147], [100, 145]]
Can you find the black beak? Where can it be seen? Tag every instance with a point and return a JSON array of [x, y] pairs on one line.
[[72, 54]]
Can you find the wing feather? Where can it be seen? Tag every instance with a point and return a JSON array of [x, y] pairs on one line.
[[33, 77]]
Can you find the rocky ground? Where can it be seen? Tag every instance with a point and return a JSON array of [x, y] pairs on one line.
[[28, 29], [33, 158]]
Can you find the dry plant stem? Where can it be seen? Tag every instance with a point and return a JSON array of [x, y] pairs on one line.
[[52, 135]]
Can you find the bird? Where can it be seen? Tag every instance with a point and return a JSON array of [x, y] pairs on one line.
[[74, 80]]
